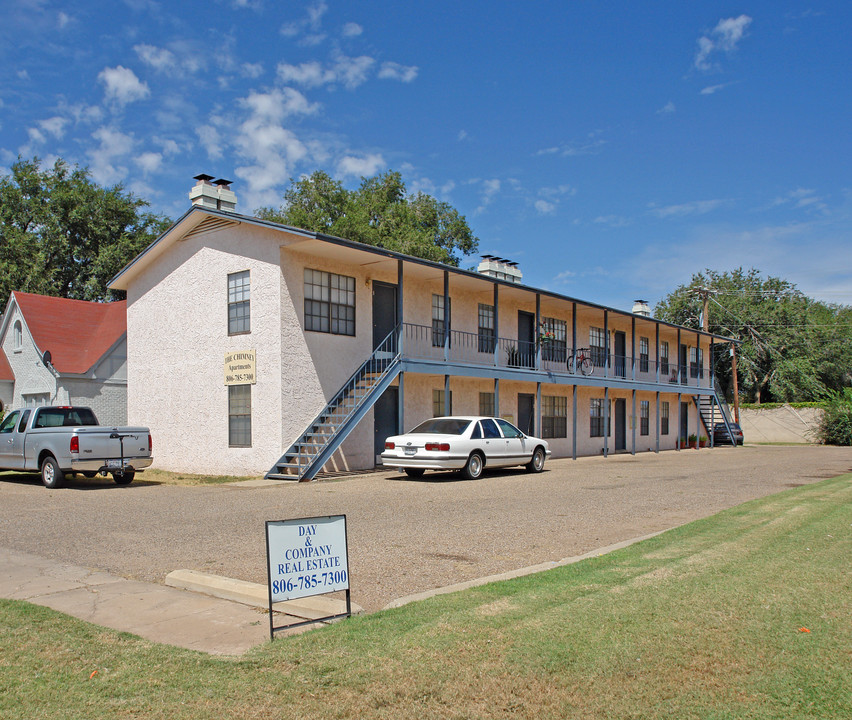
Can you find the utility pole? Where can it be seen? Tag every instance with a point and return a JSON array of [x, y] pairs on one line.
[[704, 293]]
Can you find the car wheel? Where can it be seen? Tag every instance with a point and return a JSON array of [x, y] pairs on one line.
[[536, 464], [124, 478], [414, 472], [474, 466], [51, 474]]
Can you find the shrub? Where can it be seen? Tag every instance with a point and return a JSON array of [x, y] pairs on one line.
[[835, 426]]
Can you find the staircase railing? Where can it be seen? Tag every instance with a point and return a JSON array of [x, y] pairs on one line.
[[341, 414]]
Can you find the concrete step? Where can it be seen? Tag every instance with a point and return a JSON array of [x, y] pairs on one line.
[[257, 595]]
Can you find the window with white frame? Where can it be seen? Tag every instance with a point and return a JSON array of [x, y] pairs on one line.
[[18, 335], [439, 313], [644, 346], [487, 335], [664, 417], [486, 403], [329, 302], [239, 415], [664, 358], [554, 340], [239, 303], [597, 345], [644, 417], [438, 404], [554, 416]]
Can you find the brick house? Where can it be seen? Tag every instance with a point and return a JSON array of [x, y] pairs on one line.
[[66, 352]]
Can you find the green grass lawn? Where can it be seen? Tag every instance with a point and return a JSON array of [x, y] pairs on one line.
[[747, 614]]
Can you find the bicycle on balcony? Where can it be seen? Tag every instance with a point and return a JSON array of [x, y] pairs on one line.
[[581, 361]]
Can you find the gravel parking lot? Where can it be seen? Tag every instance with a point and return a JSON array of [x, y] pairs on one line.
[[405, 536]]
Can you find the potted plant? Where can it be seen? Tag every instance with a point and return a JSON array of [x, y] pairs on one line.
[[683, 443], [702, 441], [693, 440]]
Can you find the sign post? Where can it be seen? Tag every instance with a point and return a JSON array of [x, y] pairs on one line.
[[306, 556]]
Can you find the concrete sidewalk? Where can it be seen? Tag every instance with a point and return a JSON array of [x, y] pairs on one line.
[[162, 614]]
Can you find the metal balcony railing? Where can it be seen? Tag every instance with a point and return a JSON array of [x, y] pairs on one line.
[[420, 342]]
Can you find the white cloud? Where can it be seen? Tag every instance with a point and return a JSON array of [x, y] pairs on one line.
[[149, 162], [352, 29], [723, 38], [160, 59], [365, 166], [113, 146], [544, 207], [268, 149], [667, 109], [122, 86], [698, 207], [251, 70], [54, 126], [63, 20], [712, 89], [23, 75], [462, 135], [395, 71], [210, 141], [347, 71]]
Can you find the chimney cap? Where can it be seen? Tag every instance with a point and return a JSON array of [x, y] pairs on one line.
[[203, 177], [222, 181]]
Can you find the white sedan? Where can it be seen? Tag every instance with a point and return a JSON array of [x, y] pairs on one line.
[[469, 444]]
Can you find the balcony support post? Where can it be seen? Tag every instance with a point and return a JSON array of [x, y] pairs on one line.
[[446, 315], [658, 423], [633, 449], [496, 330], [574, 422], [607, 345], [606, 422]]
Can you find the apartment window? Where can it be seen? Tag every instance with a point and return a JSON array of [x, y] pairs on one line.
[[664, 418], [596, 418], [487, 336], [239, 305], [239, 415], [18, 335], [597, 346], [438, 397], [438, 315], [664, 358], [644, 346], [554, 340], [644, 417], [554, 416], [329, 302], [486, 403], [696, 362]]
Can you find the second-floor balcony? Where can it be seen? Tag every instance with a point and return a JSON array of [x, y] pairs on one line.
[[552, 358]]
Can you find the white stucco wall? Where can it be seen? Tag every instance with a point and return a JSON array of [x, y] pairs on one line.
[[177, 321]]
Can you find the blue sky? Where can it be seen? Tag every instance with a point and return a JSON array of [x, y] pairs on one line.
[[612, 149]]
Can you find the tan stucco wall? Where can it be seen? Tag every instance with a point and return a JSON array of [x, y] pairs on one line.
[[784, 424]]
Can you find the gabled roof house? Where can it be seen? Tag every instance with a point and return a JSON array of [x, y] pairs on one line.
[[60, 351], [259, 348]]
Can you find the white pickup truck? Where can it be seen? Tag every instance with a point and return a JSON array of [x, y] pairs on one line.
[[60, 441]]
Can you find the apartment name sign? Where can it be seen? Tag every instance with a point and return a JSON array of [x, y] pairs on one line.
[[241, 367]]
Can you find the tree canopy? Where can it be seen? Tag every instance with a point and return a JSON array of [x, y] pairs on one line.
[[63, 235], [793, 348], [379, 212]]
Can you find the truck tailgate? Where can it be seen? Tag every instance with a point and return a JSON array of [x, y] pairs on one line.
[[98, 443]]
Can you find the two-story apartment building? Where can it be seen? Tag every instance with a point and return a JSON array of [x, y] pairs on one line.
[[254, 347]]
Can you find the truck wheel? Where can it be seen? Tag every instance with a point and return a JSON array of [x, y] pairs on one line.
[[124, 478], [51, 474]]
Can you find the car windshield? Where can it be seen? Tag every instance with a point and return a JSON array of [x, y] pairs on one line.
[[442, 426]]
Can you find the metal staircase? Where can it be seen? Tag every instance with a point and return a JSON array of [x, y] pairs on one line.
[[314, 448], [714, 409]]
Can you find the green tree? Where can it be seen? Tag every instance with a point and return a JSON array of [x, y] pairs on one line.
[[793, 348], [379, 212], [63, 235]]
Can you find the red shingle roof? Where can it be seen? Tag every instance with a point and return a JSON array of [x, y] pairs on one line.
[[5, 368], [76, 332]]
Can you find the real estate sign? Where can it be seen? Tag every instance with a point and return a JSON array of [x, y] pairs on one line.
[[241, 367], [306, 557]]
